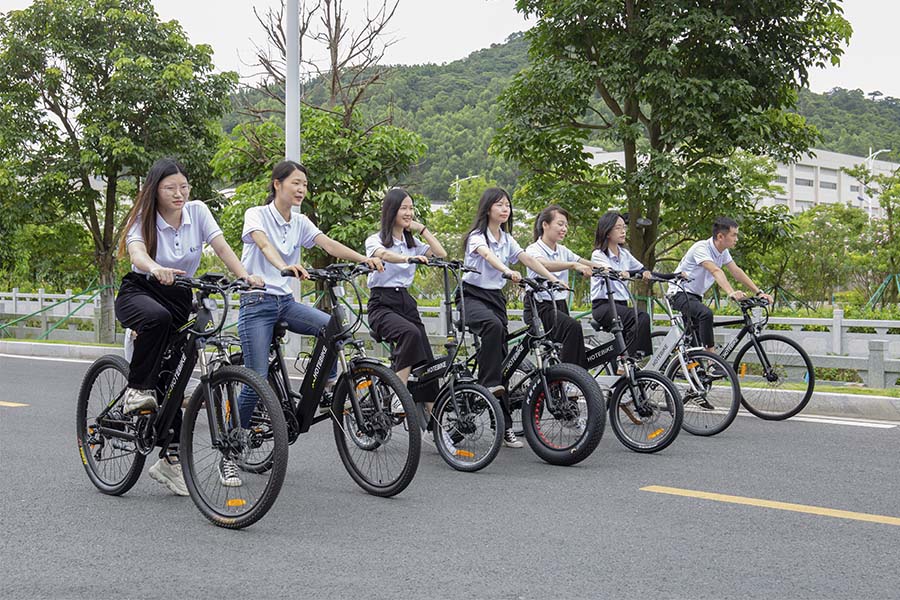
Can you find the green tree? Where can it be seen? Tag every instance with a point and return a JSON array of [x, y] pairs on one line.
[[680, 85], [91, 93]]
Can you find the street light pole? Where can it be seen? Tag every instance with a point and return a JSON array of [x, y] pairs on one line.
[[458, 180], [292, 83], [870, 163]]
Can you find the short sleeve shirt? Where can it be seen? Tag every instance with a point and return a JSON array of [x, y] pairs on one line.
[[394, 275], [540, 250], [625, 261], [180, 248], [690, 265], [287, 237], [506, 249]]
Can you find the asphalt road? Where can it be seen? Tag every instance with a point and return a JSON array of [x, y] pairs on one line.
[[518, 529]]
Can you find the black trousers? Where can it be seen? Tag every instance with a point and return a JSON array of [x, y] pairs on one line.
[[693, 309], [152, 310], [486, 317], [394, 318], [567, 331], [636, 331]]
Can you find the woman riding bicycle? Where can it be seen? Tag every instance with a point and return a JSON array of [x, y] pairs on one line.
[[609, 240], [393, 313], [165, 233], [490, 248], [273, 236], [550, 229]]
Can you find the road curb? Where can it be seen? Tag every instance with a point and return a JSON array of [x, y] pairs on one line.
[[822, 403]]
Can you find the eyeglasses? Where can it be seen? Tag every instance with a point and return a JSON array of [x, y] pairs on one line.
[[171, 189]]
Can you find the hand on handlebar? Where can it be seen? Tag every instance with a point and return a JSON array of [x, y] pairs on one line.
[[585, 270], [419, 259], [295, 271], [737, 295], [256, 281], [766, 297], [374, 263], [165, 275], [513, 276]]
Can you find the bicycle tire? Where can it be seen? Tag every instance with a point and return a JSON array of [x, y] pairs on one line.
[[658, 427], [377, 386], [768, 401], [701, 391], [229, 506], [103, 384], [573, 433], [474, 437]]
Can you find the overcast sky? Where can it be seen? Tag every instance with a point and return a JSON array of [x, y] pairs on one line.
[[445, 30]]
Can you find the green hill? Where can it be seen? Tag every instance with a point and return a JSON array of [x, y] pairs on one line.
[[453, 107]]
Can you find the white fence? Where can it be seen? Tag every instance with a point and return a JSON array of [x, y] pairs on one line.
[[875, 356]]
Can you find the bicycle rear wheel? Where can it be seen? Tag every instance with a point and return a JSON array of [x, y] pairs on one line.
[[113, 464], [468, 439], [709, 391], [567, 427], [380, 452], [226, 493], [645, 414], [783, 388]]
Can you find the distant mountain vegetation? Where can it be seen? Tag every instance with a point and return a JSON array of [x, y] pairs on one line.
[[453, 108]]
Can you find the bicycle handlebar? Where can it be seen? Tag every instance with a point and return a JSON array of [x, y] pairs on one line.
[[333, 272]]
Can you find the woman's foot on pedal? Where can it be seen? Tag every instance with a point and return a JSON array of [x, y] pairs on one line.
[[169, 474], [510, 440], [228, 474], [134, 400]]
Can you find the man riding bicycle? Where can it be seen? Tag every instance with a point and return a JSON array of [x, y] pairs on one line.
[[703, 266]]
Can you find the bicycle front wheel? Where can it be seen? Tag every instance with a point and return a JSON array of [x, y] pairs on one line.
[[777, 377], [214, 451], [709, 391], [565, 428], [645, 413], [113, 464], [381, 450], [469, 432]]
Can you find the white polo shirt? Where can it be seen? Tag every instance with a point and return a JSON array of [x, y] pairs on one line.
[[702, 251], [506, 249], [394, 275], [287, 237], [541, 250], [625, 261], [180, 248]]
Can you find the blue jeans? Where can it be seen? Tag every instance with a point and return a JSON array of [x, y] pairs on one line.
[[259, 314]]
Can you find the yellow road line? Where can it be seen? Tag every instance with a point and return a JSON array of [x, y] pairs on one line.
[[813, 510], [11, 404]]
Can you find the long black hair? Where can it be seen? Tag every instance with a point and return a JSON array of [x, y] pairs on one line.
[[147, 203], [390, 206], [490, 197], [282, 171], [546, 216], [606, 224]]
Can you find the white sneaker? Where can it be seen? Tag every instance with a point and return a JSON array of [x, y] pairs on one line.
[[134, 400], [510, 440], [397, 406], [170, 476], [228, 474]]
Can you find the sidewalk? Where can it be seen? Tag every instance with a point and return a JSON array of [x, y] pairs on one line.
[[822, 403]]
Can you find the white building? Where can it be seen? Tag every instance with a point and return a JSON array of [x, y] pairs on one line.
[[817, 178]]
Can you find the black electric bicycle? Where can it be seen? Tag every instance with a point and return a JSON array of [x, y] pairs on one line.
[[114, 446], [645, 408], [776, 375], [466, 420], [371, 410], [560, 404]]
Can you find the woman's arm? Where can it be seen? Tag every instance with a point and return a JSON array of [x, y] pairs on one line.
[[495, 262], [140, 258], [434, 246], [223, 250], [536, 266], [339, 250]]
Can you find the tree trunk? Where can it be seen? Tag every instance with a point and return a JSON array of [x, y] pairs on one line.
[[107, 263]]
